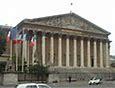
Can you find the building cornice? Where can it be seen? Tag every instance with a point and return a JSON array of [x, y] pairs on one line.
[[76, 32]]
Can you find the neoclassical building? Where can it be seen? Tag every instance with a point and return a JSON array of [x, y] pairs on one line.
[[67, 43]]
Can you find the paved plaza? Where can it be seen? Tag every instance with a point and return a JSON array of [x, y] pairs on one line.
[[78, 84]]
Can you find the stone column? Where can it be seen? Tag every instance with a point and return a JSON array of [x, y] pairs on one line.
[[95, 53], [101, 54], [107, 54], [75, 52], [23, 53], [88, 53], [43, 48], [60, 51], [51, 49], [67, 51], [82, 52]]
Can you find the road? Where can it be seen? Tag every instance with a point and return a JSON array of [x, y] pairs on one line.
[[78, 84]]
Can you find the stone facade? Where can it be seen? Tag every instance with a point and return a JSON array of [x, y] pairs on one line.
[[8, 79], [64, 41]]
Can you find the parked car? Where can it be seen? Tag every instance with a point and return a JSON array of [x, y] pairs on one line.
[[43, 86], [94, 80], [33, 85]]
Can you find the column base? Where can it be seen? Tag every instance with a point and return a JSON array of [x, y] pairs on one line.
[[107, 66], [82, 67]]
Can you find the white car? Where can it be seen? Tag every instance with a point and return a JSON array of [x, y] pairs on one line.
[[33, 85], [94, 81]]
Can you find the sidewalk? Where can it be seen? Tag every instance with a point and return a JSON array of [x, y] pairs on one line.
[[57, 85], [77, 84]]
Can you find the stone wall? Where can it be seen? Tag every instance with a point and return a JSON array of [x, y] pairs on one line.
[[77, 74], [26, 77], [9, 79], [59, 75], [80, 77], [1, 79]]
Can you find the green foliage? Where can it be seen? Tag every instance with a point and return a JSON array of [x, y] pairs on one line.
[[2, 66], [38, 69], [14, 59], [2, 42]]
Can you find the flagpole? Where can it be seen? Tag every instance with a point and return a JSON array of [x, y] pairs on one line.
[[23, 53], [11, 51], [16, 46], [28, 53], [9, 67]]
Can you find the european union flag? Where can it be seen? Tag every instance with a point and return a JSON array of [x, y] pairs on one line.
[[14, 32]]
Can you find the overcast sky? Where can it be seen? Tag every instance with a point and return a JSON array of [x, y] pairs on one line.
[[100, 12]]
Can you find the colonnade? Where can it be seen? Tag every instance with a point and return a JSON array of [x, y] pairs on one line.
[[98, 58], [82, 52]]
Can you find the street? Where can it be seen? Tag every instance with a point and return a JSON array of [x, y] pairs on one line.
[[78, 84]]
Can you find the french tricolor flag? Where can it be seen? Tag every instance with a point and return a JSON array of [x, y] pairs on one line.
[[8, 37], [32, 43], [18, 39]]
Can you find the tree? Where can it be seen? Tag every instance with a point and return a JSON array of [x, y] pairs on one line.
[[2, 66], [2, 42], [39, 70]]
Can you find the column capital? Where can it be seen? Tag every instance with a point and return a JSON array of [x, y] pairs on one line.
[[107, 40], [75, 37], [52, 34], [94, 39], [100, 40], [88, 38], [60, 35], [67, 36], [43, 33], [81, 37], [103, 40]]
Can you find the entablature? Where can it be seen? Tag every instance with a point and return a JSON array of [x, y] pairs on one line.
[[65, 31]]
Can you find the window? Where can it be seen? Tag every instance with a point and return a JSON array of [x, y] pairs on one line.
[[43, 86], [31, 86]]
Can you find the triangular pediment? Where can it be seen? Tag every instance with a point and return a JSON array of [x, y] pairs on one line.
[[70, 21]]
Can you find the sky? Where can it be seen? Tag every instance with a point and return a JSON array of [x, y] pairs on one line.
[[99, 12]]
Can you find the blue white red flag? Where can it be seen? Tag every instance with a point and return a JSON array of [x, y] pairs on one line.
[[33, 41], [8, 37], [18, 39]]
